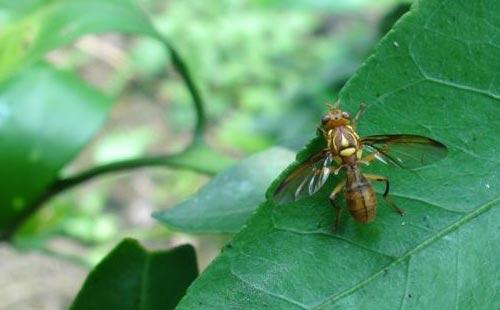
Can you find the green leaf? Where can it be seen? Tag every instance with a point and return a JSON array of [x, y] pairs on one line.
[[46, 117], [132, 278], [47, 25], [224, 204], [434, 74], [61, 22]]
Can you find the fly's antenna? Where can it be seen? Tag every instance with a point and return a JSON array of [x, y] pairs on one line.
[[334, 106]]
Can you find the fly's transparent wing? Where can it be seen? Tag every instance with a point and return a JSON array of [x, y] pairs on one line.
[[405, 151], [306, 179]]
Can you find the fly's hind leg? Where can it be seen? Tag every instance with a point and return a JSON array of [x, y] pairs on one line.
[[335, 205], [387, 199]]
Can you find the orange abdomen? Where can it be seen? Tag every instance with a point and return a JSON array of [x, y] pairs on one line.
[[360, 199]]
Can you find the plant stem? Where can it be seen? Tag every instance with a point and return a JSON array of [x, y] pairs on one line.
[[62, 184], [183, 70]]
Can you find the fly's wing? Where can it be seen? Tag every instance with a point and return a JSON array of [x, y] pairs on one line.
[[306, 179], [405, 151]]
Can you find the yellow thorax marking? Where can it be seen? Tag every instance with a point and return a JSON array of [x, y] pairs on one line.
[[348, 151], [352, 132], [328, 139], [332, 139], [344, 141]]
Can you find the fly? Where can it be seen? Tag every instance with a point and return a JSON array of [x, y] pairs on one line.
[[344, 150]]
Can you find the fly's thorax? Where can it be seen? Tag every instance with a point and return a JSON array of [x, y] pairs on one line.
[[344, 142]]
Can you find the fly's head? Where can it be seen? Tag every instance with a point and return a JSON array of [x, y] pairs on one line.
[[335, 117]]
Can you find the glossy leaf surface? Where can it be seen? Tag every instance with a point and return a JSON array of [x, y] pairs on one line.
[[46, 117], [435, 74], [223, 205]]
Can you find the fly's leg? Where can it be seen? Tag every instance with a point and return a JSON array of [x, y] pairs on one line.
[[361, 110], [335, 205], [368, 158], [387, 199], [320, 131], [372, 156]]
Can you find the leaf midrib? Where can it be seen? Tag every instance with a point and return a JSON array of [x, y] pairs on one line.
[[445, 231]]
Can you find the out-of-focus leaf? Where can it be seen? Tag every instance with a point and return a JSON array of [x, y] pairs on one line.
[[224, 204], [434, 74], [15, 10], [339, 6], [58, 23], [46, 117], [49, 25], [124, 144], [132, 278], [201, 158], [392, 17]]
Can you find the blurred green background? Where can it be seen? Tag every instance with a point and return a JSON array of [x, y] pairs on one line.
[[265, 68]]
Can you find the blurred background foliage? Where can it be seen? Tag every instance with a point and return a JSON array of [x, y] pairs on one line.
[[265, 69]]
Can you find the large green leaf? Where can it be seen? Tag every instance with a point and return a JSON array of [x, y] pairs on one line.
[[46, 117], [132, 278], [434, 74], [224, 204]]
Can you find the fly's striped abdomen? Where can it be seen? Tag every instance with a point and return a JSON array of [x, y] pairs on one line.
[[360, 198]]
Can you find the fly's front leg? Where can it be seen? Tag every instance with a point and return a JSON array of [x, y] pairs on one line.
[[321, 131], [332, 197], [361, 110], [368, 158], [387, 199]]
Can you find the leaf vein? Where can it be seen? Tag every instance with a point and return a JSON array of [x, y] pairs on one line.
[[277, 296], [457, 262], [445, 231], [407, 284], [322, 233], [427, 203]]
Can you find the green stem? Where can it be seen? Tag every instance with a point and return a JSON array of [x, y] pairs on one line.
[[183, 70], [62, 184]]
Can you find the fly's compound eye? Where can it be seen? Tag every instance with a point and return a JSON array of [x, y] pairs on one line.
[[325, 119], [346, 115]]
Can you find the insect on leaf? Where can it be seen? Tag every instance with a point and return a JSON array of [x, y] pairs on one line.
[[435, 74]]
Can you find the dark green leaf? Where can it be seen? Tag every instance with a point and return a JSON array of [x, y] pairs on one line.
[[132, 278], [46, 117], [223, 205], [434, 74]]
